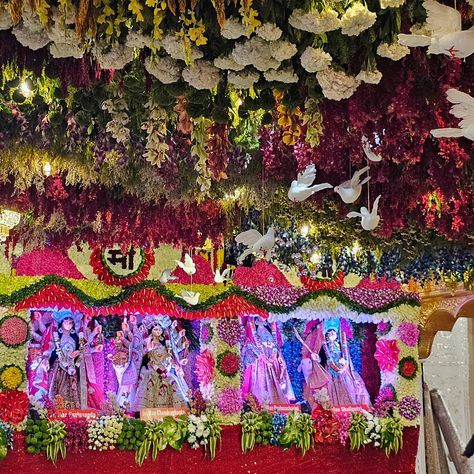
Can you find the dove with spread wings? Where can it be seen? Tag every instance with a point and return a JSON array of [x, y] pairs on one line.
[[188, 266], [256, 243], [191, 297], [350, 190], [463, 109], [301, 188], [447, 36], [368, 220]]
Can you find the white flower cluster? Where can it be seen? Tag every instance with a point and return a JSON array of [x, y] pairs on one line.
[[104, 431], [286, 75], [202, 75], [233, 28], [228, 63], [393, 51], [38, 408], [175, 48], [64, 41], [31, 33], [118, 126], [282, 50], [255, 51], [116, 58], [165, 69], [315, 59], [315, 22], [421, 29], [357, 19], [269, 32], [136, 39], [370, 76], [243, 79], [337, 85], [372, 432], [391, 3], [198, 430]]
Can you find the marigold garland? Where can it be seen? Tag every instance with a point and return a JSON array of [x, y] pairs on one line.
[[11, 377]]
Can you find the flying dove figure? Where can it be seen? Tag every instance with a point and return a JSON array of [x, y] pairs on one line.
[[447, 36], [166, 276], [371, 156], [463, 109], [368, 220], [256, 242], [350, 190], [191, 297], [301, 188], [188, 265], [221, 277]]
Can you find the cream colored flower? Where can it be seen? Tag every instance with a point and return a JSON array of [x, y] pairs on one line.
[[337, 85], [256, 52], [391, 3], [315, 22], [117, 58], [393, 51], [175, 48], [282, 50], [5, 19], [315, 59], [228, 63], [269, 32], [357, 19], [202, 75], [30, 39], [370, 76], [233, 28], [286, 75], [243, 79], [166, 69]]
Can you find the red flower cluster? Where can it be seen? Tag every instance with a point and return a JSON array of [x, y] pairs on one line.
[[13, 406], [327, 426], [228, 363], [408, 367]]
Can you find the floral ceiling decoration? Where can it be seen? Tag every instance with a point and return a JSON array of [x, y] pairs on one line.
[[150, 122]]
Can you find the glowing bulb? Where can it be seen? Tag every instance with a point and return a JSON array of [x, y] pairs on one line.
[[26, 87], [239, 102], [315, 257], [226, 196], [47, 169], [356, 248], [305, 230]]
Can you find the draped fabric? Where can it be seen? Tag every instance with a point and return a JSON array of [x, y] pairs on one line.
[[326, 458]]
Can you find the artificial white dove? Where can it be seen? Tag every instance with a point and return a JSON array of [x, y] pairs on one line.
[[166, 276], [463, 108], [221, 277], [350, 190], [371, 156], [301, 188], [191, 297], [368, 220], [447, 36], [256, 242], [188, 265]]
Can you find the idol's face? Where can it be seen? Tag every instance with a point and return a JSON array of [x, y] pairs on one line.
[[157, 331], [67, 324], [331, 335]]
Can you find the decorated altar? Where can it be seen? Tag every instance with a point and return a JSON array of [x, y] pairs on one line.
[[321, 368]]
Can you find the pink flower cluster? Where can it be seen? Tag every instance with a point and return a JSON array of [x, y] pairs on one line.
[[387, 353], [13, 331], [409, 334], [230, 331], [230, 401]]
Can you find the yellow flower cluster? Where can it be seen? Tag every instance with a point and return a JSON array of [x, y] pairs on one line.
[[192, 31], [289, 120], [11, 378], [249, 16]]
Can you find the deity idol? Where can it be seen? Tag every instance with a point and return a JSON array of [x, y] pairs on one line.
[[119, 359], [92, 367], [346, 386], [265, 376], [37, 375], [63, 360], [161, 383], [315, 376]]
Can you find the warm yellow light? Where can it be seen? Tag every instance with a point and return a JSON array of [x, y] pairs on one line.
[[305, 230], [47, 169], [26, 87], [239, 102], [315, 257], [356, 248]]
